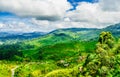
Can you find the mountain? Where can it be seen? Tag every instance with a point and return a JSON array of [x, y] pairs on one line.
[[73, 34], [85, 34], [20, 36], [77, 33], [114, 29], [65, 35], [61, 35]]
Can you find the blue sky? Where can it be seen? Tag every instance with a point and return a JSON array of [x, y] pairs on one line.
[[74, 3], [48, 15]]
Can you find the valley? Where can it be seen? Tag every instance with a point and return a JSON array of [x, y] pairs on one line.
[[67, 52]]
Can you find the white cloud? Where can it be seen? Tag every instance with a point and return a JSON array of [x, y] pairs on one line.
[[43, 9], [101, 14], [96, 14], [1, 25], [47, 26], [16, 26], [110, 5]]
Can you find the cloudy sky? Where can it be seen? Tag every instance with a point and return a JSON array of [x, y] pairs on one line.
[[48, 15]]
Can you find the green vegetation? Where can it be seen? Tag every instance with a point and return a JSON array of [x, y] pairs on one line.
[[49, 57], [4, 70], [10, 51], [6, 67]]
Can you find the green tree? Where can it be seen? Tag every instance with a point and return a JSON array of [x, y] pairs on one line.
[[106, 38], [102, 62]]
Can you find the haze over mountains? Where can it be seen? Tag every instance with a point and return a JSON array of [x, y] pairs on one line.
[[69, 33]]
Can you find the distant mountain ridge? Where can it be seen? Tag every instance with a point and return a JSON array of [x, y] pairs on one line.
[[114, 29], [82, 34], [77, 33], [20, 36]]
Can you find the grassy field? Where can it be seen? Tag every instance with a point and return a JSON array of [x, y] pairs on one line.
[[40, 60]]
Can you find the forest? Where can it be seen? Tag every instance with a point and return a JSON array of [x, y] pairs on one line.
[[73, 58]]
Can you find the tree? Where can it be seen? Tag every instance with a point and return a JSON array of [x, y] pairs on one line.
[[101, 63], [106, 38]]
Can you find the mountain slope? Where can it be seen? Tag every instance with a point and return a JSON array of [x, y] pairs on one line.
[[69, 34], [65, 35], [114, 29], [62, 35]]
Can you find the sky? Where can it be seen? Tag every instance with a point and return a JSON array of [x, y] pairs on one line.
[[48, 15]]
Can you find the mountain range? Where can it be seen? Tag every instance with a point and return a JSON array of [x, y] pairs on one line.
[[83, 34], [20, 36]]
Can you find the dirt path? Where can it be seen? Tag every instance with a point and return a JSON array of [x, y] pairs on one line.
[[13, 71]]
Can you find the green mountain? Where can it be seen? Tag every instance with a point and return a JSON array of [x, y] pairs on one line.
[[69, 34], [76, 37], [61, 35], [68, 60], [114, 29], [82, 34], [67, 52], [77, 33]]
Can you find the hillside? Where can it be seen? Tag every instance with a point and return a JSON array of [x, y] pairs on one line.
[[70, 52], [61, 35], [82, 34], [114, 29], [73, 34], [66, 61]]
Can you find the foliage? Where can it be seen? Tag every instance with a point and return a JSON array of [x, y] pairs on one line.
[[10, 51], [64, 59], [104, 63], [66, 50]]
